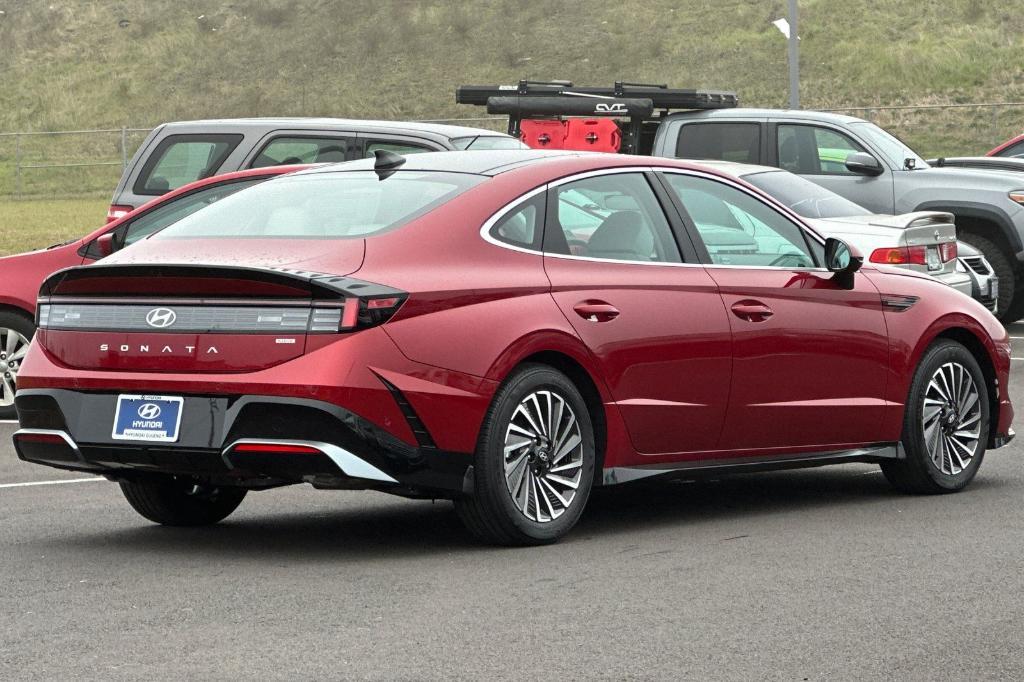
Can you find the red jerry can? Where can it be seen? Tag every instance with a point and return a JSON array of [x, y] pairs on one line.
[[543, 134], [593, 135]]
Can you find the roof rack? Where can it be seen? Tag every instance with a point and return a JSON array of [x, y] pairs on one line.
[[638, 102]]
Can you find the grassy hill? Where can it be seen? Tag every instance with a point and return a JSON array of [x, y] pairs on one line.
[[71, 65], [135, 63]]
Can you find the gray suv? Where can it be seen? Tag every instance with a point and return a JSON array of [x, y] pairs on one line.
[[863, 163], [175, 154]]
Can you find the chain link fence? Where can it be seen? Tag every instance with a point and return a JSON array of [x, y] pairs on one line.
[[88, 163]]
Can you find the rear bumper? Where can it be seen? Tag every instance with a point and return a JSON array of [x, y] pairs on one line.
[[248, 441]]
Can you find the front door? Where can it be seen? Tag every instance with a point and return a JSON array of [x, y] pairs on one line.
[[655, 323], [809, 356], [819, 154]]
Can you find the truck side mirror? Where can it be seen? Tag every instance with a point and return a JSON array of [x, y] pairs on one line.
[[863, 164]]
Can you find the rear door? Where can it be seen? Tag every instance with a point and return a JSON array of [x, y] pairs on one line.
[[809, 356], [650, 314]]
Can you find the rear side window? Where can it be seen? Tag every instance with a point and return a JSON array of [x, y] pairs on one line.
[[739, 142], [403, 148], [522, 226], [488, 143], [324, 205], [181, 159], [610, 217], [285, 151]]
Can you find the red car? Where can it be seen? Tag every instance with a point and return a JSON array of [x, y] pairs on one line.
[[506, 330], [1013, 147], [23, 273]]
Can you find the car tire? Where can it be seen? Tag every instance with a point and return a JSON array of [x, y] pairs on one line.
[[942, 423], [536, 493], [1010, 307], [16, 331], [173, 502]]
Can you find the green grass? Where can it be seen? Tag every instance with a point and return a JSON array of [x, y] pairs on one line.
[[28, 225], [136, 63]]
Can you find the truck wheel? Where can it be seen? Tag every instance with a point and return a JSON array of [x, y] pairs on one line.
[[1011, 293], [16, 333], [173, 502]]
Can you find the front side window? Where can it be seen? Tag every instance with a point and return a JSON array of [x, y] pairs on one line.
[[181, 159], [324, 205], [285, 151], [739, 142], [613, 217], [738, 229], [810, 150]]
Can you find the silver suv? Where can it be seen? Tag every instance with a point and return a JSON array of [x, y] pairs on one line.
[[175, 154]]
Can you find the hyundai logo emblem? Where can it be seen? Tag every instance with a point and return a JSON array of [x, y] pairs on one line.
[[161, 317], [149, 411]]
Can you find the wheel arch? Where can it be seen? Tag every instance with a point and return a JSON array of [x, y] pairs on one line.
[[7, 307], [587, 387], [567, 354], [972, 214], [975, 347]]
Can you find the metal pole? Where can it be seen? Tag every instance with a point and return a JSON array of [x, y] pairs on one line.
[[17, 166], [794, 57], [124, 148]]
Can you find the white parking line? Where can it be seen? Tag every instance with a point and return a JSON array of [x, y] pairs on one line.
[[33, 483], [1017, 358], [8, 421]]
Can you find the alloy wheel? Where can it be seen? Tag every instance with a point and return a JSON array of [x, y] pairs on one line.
[[13, 347], [951, 418], [543, 456]]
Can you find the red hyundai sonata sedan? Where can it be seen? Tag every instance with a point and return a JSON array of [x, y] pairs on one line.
[[506, 330], [23, 273]]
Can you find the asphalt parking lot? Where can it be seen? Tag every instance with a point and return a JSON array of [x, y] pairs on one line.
[[822, 573]]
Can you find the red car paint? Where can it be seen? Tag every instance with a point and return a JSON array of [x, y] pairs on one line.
[[23, 273], [1009, 143], [689, 362]]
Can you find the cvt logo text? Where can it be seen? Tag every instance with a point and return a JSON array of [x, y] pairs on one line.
[[161, 317], [617, 108], [149, 411]]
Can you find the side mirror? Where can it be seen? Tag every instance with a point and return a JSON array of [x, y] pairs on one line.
[[863, 164], [843, 260], [105, 244]]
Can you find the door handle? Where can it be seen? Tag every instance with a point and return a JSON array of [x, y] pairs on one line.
[[596, 311], [751, 311]]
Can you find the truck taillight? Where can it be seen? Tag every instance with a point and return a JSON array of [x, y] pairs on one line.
[[117, 211], [901, 255]]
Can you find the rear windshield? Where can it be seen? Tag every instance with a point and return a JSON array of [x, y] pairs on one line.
[[804, 197], [181, 159], [324, 206]]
